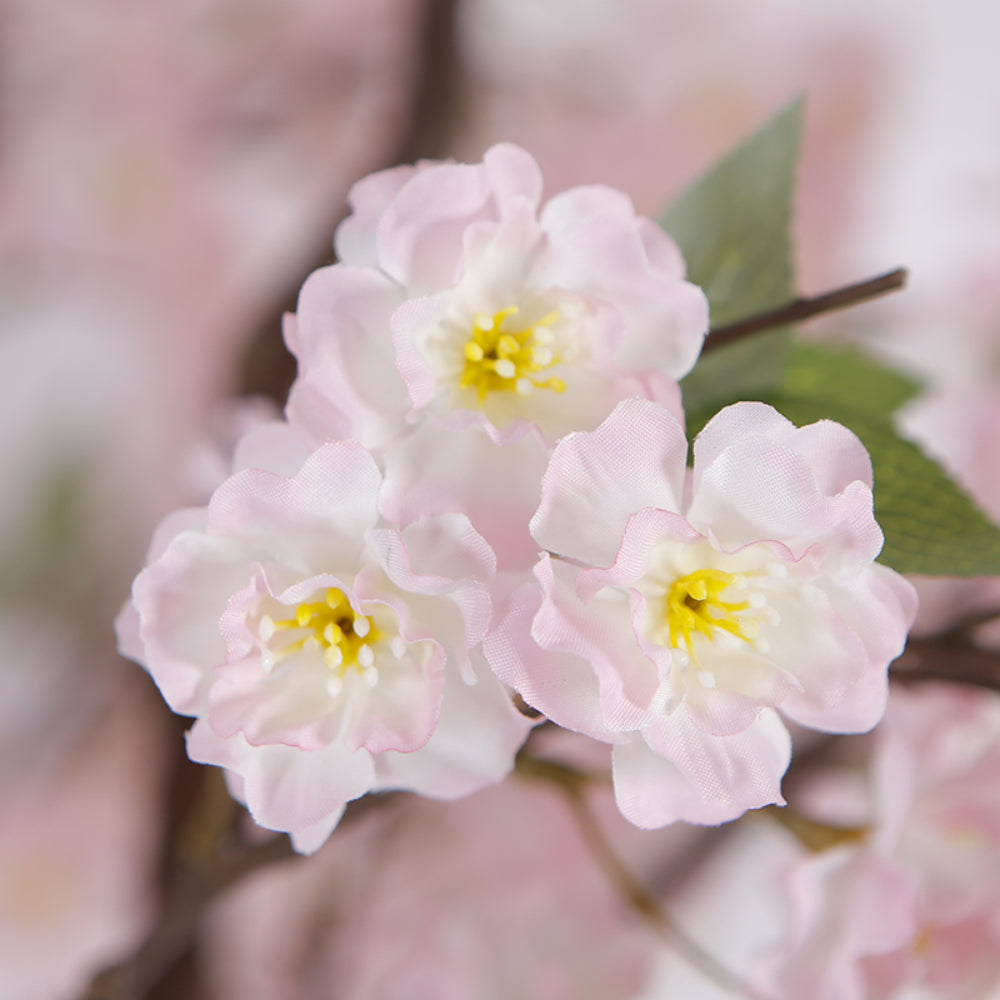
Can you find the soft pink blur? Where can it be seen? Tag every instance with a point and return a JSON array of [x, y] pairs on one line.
[[433, 900], [168, 173]]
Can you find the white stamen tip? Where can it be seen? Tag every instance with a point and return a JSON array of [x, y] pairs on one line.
[[267, 660], [266, 628], [681, 658], [505, 368], [772, 617], [334, 685], [311, 643], [778, 569], [361, 626], [334, 656], [525, 387], [365, 655], [706, 679], [398, 647], [544, 336], [370, 677], [757, 600], [739, 581], [484, 322], [542, 355]]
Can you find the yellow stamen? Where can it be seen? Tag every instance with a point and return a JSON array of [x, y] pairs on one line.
[[330, 626], [694, 605], [503, 360]]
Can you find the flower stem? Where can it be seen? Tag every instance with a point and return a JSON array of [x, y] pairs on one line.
[[573, 784], [806, 308]]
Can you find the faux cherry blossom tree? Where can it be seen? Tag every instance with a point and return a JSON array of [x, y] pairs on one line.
[[559, 495]]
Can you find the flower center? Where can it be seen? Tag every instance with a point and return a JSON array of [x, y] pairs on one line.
[[707, 602], [330, 627], [504, 360]]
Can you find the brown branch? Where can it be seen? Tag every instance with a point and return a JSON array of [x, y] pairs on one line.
[[648, 907], [806, 308], [201, 855], [945, 659], [966, 626], [190, 889], [269, 368]]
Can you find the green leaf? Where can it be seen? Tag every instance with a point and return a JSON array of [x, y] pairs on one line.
[[732, 226], [846, 377], [931, 526]]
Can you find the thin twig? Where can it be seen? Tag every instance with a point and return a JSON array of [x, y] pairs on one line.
[[964, 627], [573, 784], [806, 308], [944, 659], [648, 907], [192, 882], [268, 367]]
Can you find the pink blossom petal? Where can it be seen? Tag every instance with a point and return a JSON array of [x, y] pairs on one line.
[[440, 472], [602, 636], [843, 674], [409, 323], [761, 489], [315, 519], [347, 385], [478, 733], [595, 481], [663, 253], [421, 230], [847, 906], [560, 681], [356, 239], [401, 712], [179, 600], [288, 706], [443, 556], [287, 788], [692, 776], [598, 249]]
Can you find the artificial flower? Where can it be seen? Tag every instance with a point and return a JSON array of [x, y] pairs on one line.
[[675, 610], [323, 652]]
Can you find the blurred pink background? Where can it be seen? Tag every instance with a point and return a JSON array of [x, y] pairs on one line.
[[170, 172]]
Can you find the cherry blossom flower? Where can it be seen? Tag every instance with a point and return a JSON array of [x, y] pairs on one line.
[[324, 653], [675, 610], [467, 328], [915, 905]]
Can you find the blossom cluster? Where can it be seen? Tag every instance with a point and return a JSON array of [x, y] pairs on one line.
[[481, 490]]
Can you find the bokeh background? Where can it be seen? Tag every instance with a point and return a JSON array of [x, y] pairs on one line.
[[169, 173]]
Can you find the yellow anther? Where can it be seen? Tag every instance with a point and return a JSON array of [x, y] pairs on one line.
[[507, 345], [695, 605], [329, 626], [504, 360]]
